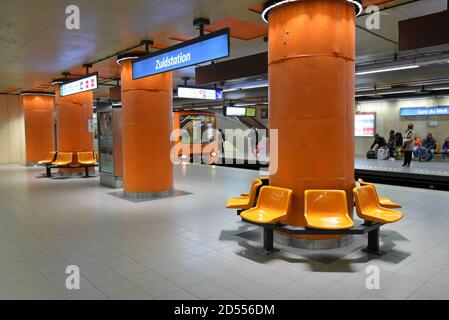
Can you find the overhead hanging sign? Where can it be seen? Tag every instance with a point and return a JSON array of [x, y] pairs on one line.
[[87, 83], [433, 111], [200, 93], [239, 112], [207, 48]]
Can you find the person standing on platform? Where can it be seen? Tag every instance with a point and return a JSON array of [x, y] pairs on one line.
[[408, 145]]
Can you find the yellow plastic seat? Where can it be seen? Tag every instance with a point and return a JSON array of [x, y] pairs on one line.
[[327, 209], [86, 158], [245, 201], [383, 201], [63, 159], [51, 157], [369, 209], [273, 204]]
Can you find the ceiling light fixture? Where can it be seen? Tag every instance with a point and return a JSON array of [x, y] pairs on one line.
[[359, 73], [270, 5], [125, 57]]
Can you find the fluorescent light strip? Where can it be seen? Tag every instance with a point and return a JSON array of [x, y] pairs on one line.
[[277, 4], [438, 89], [386, 70], [397, 92], [246, 88]]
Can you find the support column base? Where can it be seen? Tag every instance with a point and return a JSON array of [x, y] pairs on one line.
[[148, 195], [313, 244]]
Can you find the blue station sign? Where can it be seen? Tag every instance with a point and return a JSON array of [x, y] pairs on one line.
[[207, 48], [416, 112]]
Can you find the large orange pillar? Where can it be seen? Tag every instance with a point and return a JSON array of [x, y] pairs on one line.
[[72, 123], [311, 75], [39, 126], [147, 119]]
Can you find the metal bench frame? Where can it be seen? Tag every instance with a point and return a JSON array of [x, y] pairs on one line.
[[48, 168], [372, 228]]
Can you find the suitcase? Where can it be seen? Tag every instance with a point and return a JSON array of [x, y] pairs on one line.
[[383, 153], [371, 154]]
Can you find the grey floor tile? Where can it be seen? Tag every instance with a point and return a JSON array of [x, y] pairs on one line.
[[434, 291], [179, 295], [115, 287], [186, 279], [160, 288], [86, 294], [205, 289], [103, 276], [143, 278], [35, 288], [134, 294], [297, 291]]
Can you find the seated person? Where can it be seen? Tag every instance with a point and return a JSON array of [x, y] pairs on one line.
[[379, 141], [416, 145], [399, 140], [445, 148], [430, 145]]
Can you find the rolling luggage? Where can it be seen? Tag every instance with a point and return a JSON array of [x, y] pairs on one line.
[[371, 154], [383, 153]]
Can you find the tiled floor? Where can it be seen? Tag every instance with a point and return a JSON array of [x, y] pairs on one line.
[[187, 248]]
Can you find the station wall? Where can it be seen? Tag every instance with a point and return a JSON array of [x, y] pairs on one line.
[[12, 130], [388, 118]]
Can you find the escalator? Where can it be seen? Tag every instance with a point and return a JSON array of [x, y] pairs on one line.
[[252, 122]]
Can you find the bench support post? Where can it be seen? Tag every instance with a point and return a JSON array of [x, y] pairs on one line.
[[48, 169], [268, 242], [374, 242], [86, 169]]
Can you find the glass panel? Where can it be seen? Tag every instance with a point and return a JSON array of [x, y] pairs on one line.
[[106, 142]]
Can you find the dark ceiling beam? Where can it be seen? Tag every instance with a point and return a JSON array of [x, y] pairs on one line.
[[425, 31], [244, 67]]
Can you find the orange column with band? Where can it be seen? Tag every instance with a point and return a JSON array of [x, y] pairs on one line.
[[72, 122], [39, 127], [147, 117], [311, 75]]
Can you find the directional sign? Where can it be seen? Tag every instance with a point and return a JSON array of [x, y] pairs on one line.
[[210, 47], [433, 111], [84, 84], [200, 93]]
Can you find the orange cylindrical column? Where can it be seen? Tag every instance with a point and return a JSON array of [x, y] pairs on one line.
[[39, 127], [311, 75], [72, 123], [147, 118]]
